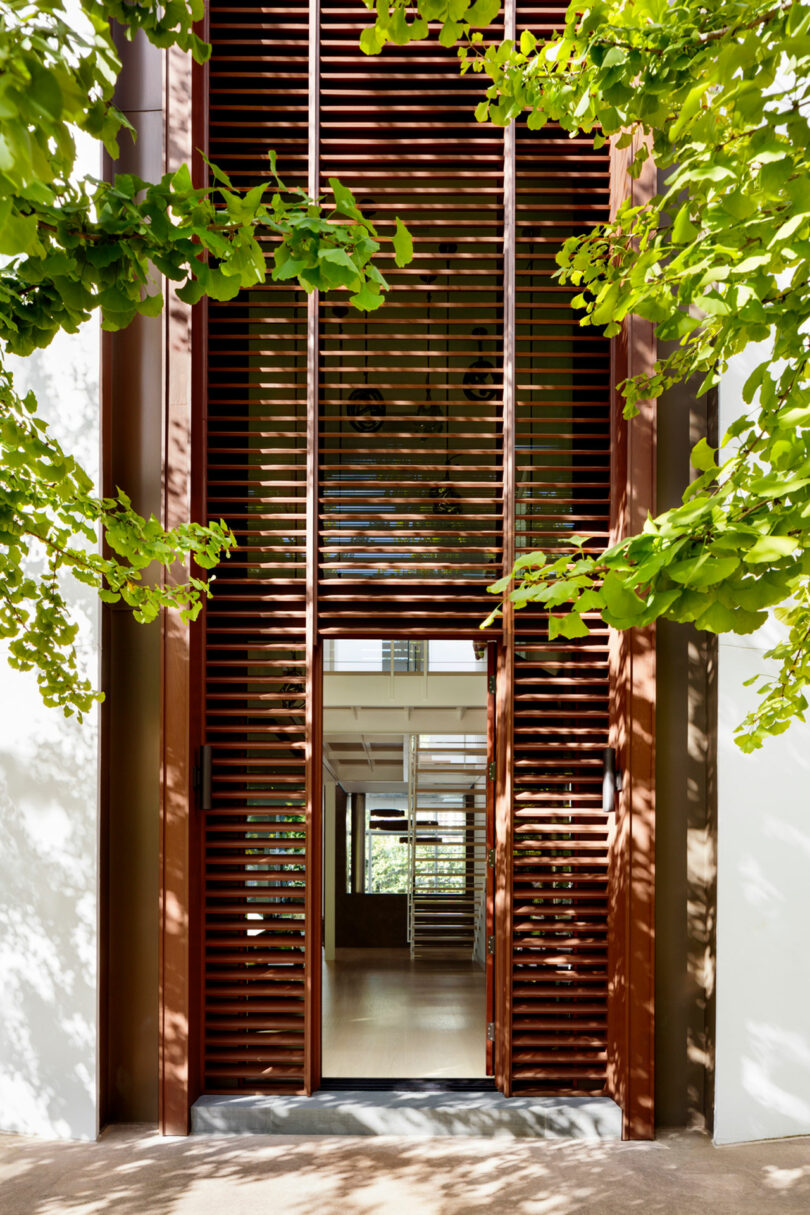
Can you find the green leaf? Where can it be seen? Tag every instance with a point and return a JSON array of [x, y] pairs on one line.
[[720, 619], [450, 33], [152, 305], [621, 602], [340, 258], [403, 245], [683, 230], [345, 202], [191, 292], [372, 40], [482, 13], [688, 108], [703, 571], [339, 267], [181, 181], [220, 175], [703, 457], [45, 92], [788, 229], [771, 548], [368, 298], [569, 626], [18, 233]]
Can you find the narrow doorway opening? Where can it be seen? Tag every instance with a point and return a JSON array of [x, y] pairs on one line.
[[407, 892]]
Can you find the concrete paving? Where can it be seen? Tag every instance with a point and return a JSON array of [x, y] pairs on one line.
[[131, 1171]]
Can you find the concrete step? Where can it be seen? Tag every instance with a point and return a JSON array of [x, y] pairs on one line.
[[489, 1115]]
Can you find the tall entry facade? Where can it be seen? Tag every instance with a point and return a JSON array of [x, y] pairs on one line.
[[380, 471]]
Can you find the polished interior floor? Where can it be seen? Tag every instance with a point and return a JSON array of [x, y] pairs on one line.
[[386, 1016]]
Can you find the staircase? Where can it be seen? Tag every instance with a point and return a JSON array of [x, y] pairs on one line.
[[447, 841]]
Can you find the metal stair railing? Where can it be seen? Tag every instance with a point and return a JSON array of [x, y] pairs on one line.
[[447, 842]]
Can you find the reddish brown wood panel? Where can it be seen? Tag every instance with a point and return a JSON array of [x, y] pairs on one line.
[[631, 871], [179, 1081]]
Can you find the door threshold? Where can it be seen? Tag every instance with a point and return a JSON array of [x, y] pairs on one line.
[[409, 1084], [353, 1112]]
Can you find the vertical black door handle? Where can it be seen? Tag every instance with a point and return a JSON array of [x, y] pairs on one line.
[[205, 777], [608, 779]]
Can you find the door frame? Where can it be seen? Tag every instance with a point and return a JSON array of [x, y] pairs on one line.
[[315, 850], [632, 869]]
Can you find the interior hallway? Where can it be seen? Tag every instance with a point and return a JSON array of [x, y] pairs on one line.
[[387, 1016]]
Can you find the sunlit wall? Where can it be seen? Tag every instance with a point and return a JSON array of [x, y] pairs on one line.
[[49, 827], [763, 915]]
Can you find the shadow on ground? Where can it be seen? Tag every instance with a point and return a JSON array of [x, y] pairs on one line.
[[133, 1172]]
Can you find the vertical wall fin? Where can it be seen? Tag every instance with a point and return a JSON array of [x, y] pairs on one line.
[[314, 714], [631, 870], [178, 919]]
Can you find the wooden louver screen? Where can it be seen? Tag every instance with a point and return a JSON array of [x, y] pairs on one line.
[[411, 396], [410, 488]]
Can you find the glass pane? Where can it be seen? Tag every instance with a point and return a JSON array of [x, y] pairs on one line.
[[457, 656], [354, 654], [389, 865], [406, 656], [387, 857]]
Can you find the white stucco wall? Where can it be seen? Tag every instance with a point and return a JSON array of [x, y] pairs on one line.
[[763, 914], [49, 817]]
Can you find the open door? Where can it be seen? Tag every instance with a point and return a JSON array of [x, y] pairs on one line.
[[408, 730]]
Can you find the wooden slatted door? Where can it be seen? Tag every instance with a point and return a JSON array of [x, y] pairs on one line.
[[562, 487], [255, 951]]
